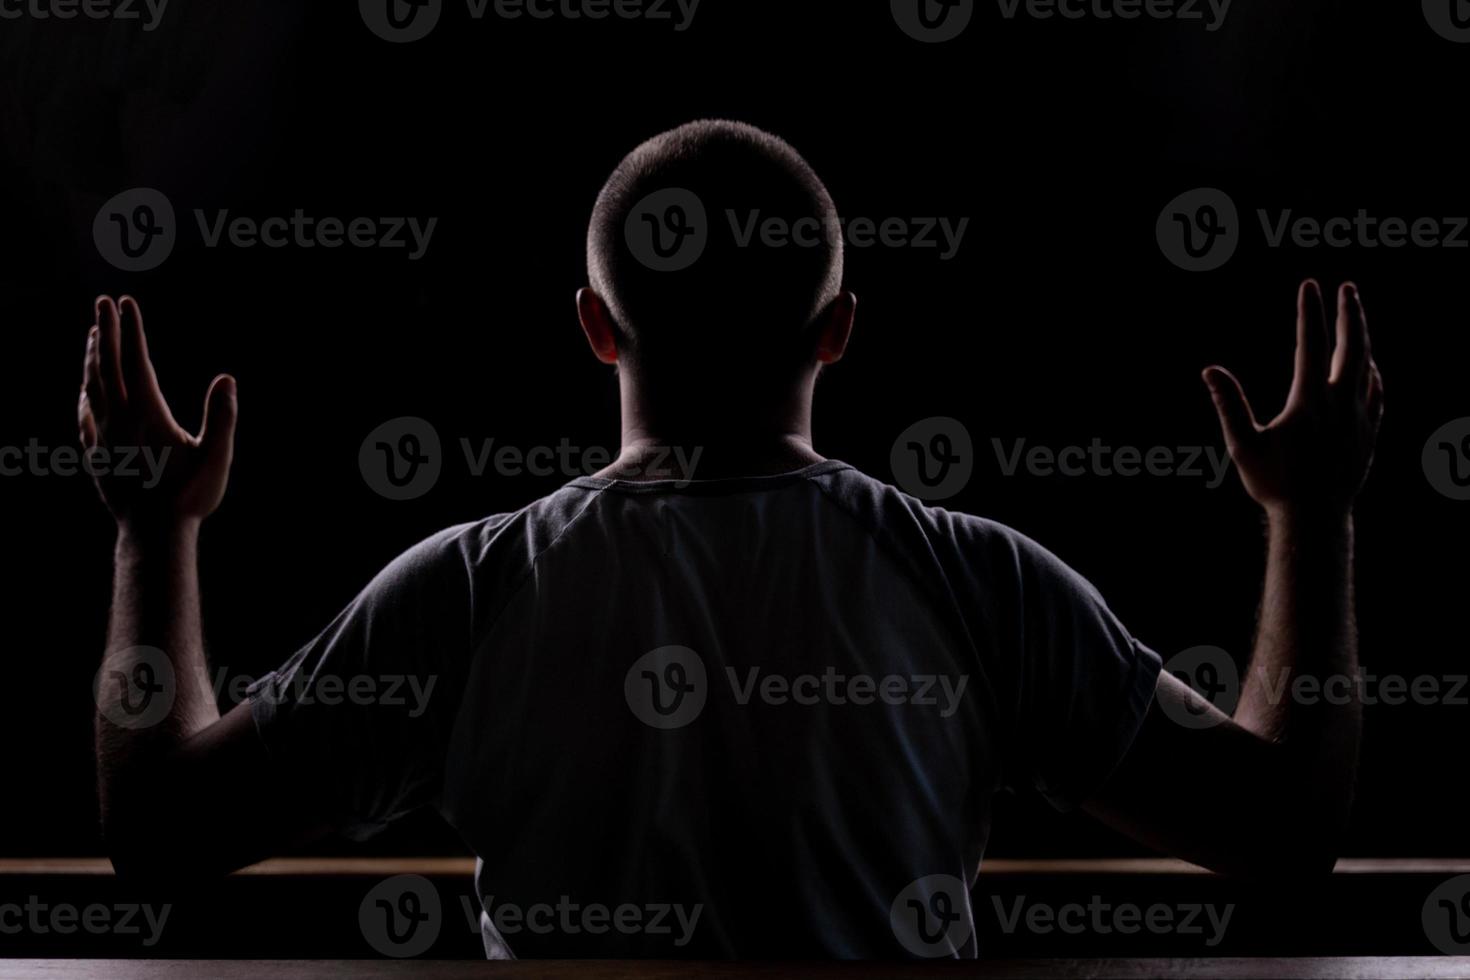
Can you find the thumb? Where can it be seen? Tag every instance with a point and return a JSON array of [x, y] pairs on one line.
[[217, 435], [1236, 419]]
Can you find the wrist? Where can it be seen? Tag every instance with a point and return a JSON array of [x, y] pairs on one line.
[[152, 533], [1315, 520]]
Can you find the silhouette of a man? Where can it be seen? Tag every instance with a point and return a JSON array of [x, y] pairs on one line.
[[761, 709]]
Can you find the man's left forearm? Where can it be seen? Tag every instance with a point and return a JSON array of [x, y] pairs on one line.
[[155, 625]]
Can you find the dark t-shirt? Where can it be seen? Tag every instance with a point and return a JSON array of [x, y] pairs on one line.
[[775, 708]]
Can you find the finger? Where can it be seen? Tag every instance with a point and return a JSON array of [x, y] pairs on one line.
[[87, 351], [1351, 356], [109, 343], [137, 366], [86, 423], [92, 375], [1375, 393], [1237, 420], [1311, 343], [217, 434]]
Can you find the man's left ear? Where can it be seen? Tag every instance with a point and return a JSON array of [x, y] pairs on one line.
[[598, 325]]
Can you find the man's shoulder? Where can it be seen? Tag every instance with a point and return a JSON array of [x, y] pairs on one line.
[[887, 508], [980, 550], [517, 536]]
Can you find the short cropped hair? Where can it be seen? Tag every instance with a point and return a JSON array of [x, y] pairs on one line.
[[748, 293]]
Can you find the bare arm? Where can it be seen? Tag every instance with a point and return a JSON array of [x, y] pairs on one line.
[[172, 774], [1269, 790]]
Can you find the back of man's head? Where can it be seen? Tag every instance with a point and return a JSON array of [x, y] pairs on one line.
[[715, 247]]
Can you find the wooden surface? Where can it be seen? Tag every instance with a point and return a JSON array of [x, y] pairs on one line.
[[1375, 967], [382, 867], [283, 910]]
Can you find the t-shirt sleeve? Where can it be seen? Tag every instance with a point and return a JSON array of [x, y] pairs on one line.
[[362, 714], [1085, 684]]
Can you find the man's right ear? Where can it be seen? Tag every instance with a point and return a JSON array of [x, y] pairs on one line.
[[598, 325]]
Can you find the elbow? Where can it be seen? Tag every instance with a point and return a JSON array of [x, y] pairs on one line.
[[1312, 840], [160, 861], [1299, 826], [141, 834], [138, 857], [152, 866], [146, 849], [1288, 853], [133, 867], [1278, 865], [1302, 860]]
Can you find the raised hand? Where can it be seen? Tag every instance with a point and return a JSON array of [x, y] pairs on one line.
[[1315, 455], [122, 407]]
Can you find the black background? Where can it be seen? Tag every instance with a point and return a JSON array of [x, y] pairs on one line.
[[1059, 321]]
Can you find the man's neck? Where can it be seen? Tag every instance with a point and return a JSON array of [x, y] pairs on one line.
[[699, 436], [645, 457]]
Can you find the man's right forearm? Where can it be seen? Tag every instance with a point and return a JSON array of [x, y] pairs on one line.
[[1301, 689]]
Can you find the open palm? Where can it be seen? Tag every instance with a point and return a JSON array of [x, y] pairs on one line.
[[1314, 455], [122, 408]]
